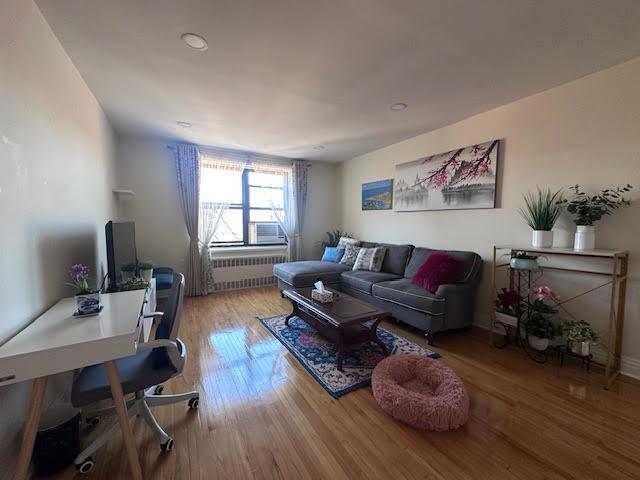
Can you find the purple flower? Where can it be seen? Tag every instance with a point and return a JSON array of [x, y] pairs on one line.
[[79, 272]]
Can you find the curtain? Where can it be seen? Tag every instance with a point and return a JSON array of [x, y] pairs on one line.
[[210, 216], [299, 173], [188, 175]]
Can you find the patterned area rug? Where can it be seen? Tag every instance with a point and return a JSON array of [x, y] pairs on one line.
[[318, 355]]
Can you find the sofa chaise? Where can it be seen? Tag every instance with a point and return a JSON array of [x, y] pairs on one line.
[[450, 307]]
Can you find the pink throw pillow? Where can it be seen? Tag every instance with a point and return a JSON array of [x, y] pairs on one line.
[[438, 269]]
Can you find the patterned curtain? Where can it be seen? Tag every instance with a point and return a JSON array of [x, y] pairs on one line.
[[188, 175], [299, 174]]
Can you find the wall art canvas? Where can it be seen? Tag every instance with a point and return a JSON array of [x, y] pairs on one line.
[[377, 195], [459, 179]]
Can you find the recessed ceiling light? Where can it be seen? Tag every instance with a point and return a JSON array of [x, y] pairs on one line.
[[319, 147], [195, 41], [398, 106], [184, 124]]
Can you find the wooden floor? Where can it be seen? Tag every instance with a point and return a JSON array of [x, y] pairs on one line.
[[262, 415]]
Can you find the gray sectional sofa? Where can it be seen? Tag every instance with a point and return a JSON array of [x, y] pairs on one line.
[[451, 307]]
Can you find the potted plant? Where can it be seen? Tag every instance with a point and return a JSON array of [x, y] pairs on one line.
[[521, 260], [579, 335], [128, 271], [588, 209], [539, 327], [333, 238], [146, 271], [87, 300], [508, 306], [541, 211]]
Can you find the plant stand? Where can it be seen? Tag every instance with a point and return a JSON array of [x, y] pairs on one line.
[[616, 279], [564, 350]]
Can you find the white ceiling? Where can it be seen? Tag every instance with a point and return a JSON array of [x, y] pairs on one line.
[[281, 76]]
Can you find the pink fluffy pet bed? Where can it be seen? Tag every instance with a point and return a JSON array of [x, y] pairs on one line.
[[421, 392]]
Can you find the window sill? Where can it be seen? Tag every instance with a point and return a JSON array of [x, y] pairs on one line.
[[252, 249]]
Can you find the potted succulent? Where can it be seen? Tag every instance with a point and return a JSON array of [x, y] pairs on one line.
[[539, 327], [541, 210], [588, 209], [508, 306], [146, 271], [521, 260], [128, 271], [87, 299], [579, 335]]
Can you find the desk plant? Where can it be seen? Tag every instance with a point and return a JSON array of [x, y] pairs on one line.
[[588, 209], [579, 335], [541, 210], [539, 327], [146, 271], [128, 271], [87, 299]]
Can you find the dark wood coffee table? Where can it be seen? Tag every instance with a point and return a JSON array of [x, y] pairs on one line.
[[345, 321]]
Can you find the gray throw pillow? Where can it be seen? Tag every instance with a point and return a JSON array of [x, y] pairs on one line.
[[370, 259], [344, 241], [350, 255]]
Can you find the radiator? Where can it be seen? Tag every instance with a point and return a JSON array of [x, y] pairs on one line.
[[232, 273]]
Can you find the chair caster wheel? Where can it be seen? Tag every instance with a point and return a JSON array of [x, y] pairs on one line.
[[429, 337], [86, 466], [167, 446], [158, 390], [92, 421], [193, 403]]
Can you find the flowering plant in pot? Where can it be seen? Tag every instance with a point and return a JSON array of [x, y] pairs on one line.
[[146, 271], [508, 306], [539, 327], [541, 210], [588, 209], [579, 335], [521, 260], [87, 299]]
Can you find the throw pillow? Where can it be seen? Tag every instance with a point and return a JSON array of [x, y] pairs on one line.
[[439, 268], [350, 255], [344, 241], [332, 254], [370, 259]]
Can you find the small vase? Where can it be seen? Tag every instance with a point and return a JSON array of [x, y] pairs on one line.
[[147, 274], [538, 343], [581, 348], [542, 239], [524, 263], [88, 303], [585, 238]]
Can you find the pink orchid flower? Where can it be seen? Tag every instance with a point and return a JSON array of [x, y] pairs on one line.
[[544, 293]]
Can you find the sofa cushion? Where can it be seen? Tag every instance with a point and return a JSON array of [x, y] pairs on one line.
[[472, 262], [363, 280], [332, 254], [350, 255], [306, 273], [344, 241], [406, 294], [370, 259], [439, 268], [395, 261]]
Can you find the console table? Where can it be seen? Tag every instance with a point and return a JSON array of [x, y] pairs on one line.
[[617, 262]]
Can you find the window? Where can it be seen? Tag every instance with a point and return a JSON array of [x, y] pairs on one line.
[[256, 201]]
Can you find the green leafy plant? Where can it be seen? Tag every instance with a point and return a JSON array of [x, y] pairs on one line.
[[133, 284], [145, 265], [579, 331], [538, 321], [542, 209], [524, 255], [588, 209], [540, 325], [333, 238]]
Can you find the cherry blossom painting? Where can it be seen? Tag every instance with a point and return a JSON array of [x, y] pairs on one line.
[[459, 179]]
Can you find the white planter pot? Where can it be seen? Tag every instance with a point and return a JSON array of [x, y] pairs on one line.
[[147, 275], [538, 343], [542, 239], [581, 348], [88, 303], [506, 319], [585, 238]]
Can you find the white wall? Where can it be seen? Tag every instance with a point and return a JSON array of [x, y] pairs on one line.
[[146, 166], [56, 173], [586, 132]]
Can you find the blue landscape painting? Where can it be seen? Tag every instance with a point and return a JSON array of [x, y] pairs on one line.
[[377, 195]]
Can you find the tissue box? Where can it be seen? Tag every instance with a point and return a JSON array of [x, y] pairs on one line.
[[322, 297]]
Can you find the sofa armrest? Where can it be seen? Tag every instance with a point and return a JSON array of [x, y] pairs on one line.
[[448, 289]]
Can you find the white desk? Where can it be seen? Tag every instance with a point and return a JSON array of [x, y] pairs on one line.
[[57, 342]]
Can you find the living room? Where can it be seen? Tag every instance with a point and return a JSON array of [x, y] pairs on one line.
[[381, 239]]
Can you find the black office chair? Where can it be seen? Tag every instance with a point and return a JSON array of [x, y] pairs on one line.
[[141, 375]]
